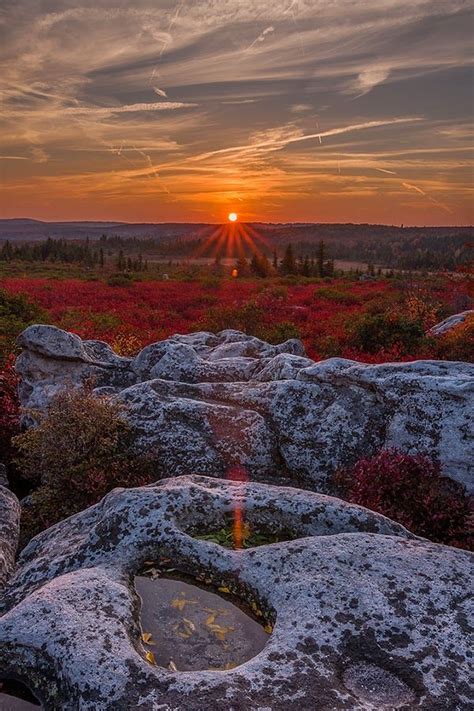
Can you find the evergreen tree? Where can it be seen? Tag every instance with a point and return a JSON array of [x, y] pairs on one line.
[[288, 265], [320, 258]]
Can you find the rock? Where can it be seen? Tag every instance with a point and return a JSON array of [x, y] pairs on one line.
[[9, 532], [449, 323], [366, 616], [205, 403], [3, 476]]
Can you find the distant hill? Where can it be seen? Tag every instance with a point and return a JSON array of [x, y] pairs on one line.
[[28, 230], [277, 234]]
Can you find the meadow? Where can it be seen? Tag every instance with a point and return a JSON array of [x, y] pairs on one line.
[[367, 319]]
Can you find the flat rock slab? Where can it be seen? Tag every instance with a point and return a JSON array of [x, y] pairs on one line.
[[366, 616], [206, 403]]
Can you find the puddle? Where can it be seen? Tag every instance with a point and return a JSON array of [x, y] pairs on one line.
[[238, 533], [15, 696], [187, 628]]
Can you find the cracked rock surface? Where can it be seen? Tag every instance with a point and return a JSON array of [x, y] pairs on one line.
[[204, 403], [366, 616]]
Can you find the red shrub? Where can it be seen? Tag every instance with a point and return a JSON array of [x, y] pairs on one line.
[[410, 489], [9, 410]]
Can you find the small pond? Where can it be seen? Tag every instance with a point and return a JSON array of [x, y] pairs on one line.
[[189, 628], [15, 696]]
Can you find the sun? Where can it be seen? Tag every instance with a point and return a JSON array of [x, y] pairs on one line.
[[233, 217]]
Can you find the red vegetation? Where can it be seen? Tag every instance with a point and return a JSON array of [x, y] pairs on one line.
[[372, 321], [410, 489], [9, 410]]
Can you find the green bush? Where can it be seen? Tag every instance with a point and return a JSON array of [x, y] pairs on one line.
[[121, 279], [16, 313], [371, 332], [81, 449]]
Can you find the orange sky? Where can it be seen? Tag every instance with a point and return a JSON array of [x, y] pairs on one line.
[[283, 111]]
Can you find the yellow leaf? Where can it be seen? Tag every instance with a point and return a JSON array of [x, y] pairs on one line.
[[190, 625], [211, 619], [223, 589], [178, 603], [268, 628], [147, 638], [150, 657]]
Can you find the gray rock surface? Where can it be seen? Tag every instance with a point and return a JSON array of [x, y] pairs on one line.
[[366, 616], [449, 323], [9, 532], [206, 403]]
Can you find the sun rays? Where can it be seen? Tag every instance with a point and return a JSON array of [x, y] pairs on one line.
[[235, 240]]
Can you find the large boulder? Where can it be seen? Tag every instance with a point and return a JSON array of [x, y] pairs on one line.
[[206, 403], [366, 616], [9, 532], [450, 323]]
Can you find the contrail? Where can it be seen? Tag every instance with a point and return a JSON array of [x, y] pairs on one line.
[[261, 36], [278, 144]]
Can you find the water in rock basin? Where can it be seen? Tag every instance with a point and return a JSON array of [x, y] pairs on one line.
[[14, 696], [193, 629]]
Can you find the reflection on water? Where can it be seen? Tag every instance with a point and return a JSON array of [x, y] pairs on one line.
[[186, 628], [15, 696]]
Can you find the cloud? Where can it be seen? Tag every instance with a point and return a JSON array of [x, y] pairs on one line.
[[369, 78], [13, 158], [261, 38], [130, 108], [88, 104]]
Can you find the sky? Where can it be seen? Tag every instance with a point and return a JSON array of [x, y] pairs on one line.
[[279, 110]]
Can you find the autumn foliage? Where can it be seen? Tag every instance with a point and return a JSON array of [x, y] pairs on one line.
[[410, 489], [9, 410], [81, 448], [372, 321]]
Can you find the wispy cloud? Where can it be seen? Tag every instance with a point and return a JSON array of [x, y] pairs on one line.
[[261, 37], [240, 124], [130, 108]]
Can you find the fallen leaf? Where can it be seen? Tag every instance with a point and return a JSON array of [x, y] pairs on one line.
[[178, 603], [268, 628], [147, 638], [189, 624], [172, 666], [223, 589], [150, 657]]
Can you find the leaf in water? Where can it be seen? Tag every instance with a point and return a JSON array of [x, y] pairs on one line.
[[220, 631], [178, 603], [152, 573], [230, 665], [190, 625], [211, 619], [147, 638], [150, 657]]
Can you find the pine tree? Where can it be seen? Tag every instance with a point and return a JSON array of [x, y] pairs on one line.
[[288, 265], [320, 258]]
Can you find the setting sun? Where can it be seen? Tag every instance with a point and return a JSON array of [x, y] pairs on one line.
[[232, 217]]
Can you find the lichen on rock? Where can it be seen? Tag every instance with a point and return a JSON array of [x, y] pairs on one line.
[[204, 403], [355, 600]]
